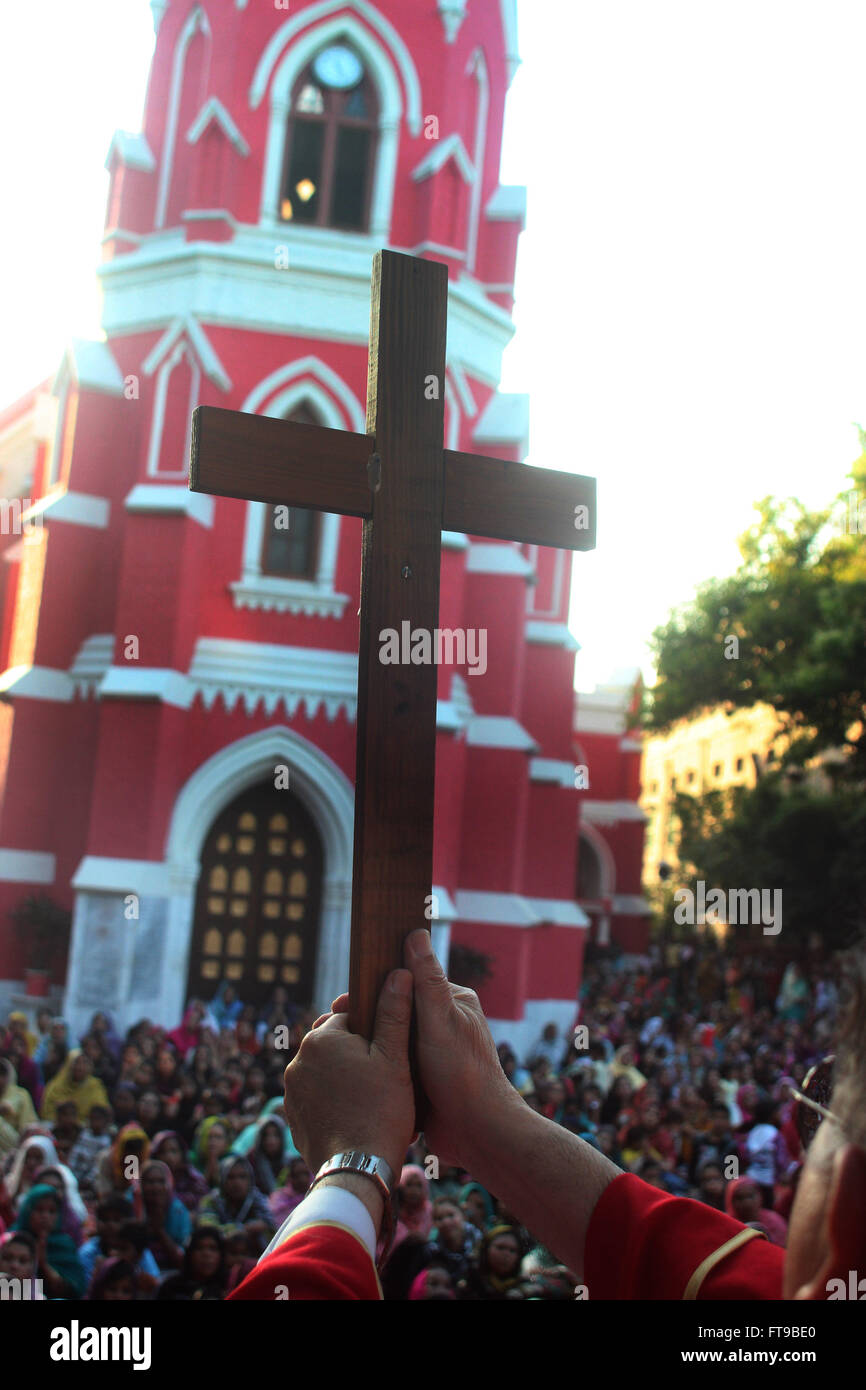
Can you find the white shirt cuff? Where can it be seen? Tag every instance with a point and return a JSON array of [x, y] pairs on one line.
[[329, 1204]]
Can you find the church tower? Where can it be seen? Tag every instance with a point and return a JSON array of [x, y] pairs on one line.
[[190, 662]]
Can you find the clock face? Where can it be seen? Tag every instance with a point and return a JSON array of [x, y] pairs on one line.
[[338, 67]]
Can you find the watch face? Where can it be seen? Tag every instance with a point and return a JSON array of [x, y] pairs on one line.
[[338, 67]]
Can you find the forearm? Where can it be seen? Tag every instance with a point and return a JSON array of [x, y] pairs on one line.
[[546, 1176]]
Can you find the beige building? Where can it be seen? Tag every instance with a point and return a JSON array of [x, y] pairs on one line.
[[711, 752]]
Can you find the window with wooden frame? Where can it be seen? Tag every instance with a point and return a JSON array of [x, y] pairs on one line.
[[331, 144], [290, 542]]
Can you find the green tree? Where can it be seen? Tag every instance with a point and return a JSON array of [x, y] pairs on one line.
[[797, 609]]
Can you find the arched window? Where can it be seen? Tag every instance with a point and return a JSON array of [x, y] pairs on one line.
[[331, 143], [291, 551]]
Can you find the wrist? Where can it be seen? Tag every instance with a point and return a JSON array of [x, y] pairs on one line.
[[491, 1129], [360, 1187]]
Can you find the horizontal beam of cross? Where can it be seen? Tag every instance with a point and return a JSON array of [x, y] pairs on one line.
[[327, 470]]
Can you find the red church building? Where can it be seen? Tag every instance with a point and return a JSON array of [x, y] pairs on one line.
[[179, 671]]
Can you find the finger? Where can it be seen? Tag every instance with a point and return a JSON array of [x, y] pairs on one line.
[[335, 1023], [323, 1018], [433, 992], [393, 1014], [340, 1004]]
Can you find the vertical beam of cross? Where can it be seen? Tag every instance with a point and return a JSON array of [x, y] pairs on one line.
[[400, 558]]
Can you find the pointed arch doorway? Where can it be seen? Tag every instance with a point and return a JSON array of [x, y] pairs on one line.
[[256, 919]]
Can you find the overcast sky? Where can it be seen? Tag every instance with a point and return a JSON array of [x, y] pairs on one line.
[[691, 285]]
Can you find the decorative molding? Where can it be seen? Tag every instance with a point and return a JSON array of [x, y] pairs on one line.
[[213, 110], [611, 812], [98, 874], [325, 32], [630, 745], [515, 910], [158, 9], [450, 148], [36, 683], [446, 905], [268, 594], [197, 20], [133, 151], [507, 204], [559, 912], [631, 905], [210, 215], [454, 714], [478, 69], [455, 540], [92, 365], [326, 377], [493, 558], [132, 682], [505, 421], [76, 508], [499, 731], [326, 295], [560, 567], [91, 662], [551, 635], [249, 672], [27, 866], [186, 326], [508, 10], [552, 770], [452, 14], [169, 499], [464, 391], [435, 248]]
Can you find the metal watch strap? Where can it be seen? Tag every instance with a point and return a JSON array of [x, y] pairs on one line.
[[379, 1172]]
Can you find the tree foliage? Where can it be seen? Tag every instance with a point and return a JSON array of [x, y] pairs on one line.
[[797, 607]]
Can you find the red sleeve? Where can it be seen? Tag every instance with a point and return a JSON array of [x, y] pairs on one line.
[[642, 1243], [319, 1261]]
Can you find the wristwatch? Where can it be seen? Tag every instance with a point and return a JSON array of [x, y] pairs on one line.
[[379, 1172]]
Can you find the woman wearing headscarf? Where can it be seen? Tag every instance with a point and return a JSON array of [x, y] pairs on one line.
[[102, 1027], [415, 1206], [225, 1007], [268, 1154], [57, 1262], [238, 1202], [189, 1184], [29, 1076], [188, 1035], [16, 1105], [116, 1172], [167, 1219], [65, 1184], [75, 1082], [495, 1271], [34, 1152], [209, 1147], [16, 1026], [203, 1276], [477, 1205]]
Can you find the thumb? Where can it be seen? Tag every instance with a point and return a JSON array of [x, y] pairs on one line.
[[433, 993], [393, 1015]]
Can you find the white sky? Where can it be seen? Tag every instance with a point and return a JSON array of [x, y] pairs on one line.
[[692, 282]]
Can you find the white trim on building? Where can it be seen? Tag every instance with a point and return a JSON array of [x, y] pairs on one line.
[[27, 866]]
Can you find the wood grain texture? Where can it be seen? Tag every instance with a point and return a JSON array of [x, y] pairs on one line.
[[512, 502], [401, 547], [279, 461]]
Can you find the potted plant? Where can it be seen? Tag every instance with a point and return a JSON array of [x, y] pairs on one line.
[[44, 925]]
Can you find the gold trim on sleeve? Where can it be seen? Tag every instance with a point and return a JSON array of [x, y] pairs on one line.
[[703, 1269]]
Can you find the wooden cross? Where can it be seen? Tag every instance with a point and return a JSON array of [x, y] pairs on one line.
[[408, 489]]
